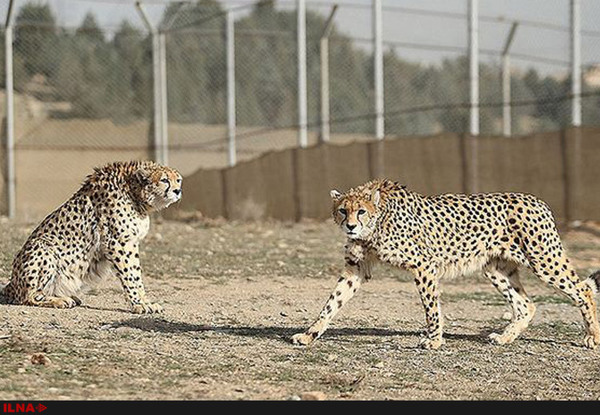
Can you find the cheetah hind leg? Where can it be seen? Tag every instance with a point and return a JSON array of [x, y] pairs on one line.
[[39, 295], [39, 299], [504, 275]]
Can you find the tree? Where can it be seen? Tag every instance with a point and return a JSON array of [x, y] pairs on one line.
[[106, 77], [130, 76], [36, 39], [90, 30], [84, 70]]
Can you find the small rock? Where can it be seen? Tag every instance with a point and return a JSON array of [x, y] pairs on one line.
[[379, 365], [40, 359], [313, 396]]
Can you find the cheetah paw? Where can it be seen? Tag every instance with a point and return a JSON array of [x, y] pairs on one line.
[[431, 344], [147, 308], [590, 341], [63, 302], [302, 339], [497, 338]]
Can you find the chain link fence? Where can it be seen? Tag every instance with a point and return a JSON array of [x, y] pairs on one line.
[[84, 76]]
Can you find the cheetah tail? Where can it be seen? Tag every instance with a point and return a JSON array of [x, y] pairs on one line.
[[594, 282], [3, 287]]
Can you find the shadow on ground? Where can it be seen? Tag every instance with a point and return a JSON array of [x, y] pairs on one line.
[[281, 333]]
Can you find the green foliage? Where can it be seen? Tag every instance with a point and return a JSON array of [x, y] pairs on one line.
[[36, 40], [109, 75]]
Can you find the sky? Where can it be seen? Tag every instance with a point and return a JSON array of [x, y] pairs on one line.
[[548, 47]]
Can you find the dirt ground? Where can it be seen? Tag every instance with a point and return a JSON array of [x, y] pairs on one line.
[[234, 293]]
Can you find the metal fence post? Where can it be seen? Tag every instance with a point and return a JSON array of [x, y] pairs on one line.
[[164, 118], [576, 62], [10, 119], [156, 75], [324, 60], [378, 69], [302, 90], [474, 65], [164, 109], [506, 106], [231, 114]]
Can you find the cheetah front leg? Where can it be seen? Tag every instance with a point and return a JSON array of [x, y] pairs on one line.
[[346, 287], [428, 290], [125, 259]]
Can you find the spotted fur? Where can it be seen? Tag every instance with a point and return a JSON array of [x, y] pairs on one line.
[[94, 234], [454, 234]]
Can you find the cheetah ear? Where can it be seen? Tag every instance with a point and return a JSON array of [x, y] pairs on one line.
[[376, 197], [335, 195], [142, 176]]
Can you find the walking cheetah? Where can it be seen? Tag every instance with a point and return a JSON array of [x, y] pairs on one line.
[[94, 234], [454, 234]]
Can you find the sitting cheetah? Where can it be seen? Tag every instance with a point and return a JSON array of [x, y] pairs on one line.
[[454, 234], [96, 233]]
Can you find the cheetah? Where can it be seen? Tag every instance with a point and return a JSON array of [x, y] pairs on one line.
[[94, 234], [454, 234]]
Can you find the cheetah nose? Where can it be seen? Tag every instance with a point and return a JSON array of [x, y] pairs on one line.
[[350, 227], [177, 191]]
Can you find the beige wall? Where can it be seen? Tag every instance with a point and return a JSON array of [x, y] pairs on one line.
[[561, 167]]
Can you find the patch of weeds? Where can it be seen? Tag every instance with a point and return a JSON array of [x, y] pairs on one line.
[[582, 246], [314, 357], [287, 375], [343, 383], [559, 329], [550, 299], [372, 360], [483, 297], [407, 379]]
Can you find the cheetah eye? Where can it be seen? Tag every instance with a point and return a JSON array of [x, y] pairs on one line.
[[165, 180], [361, 211], [342, 211]]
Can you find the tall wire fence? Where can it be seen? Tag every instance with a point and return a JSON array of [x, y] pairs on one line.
[[91, 77]]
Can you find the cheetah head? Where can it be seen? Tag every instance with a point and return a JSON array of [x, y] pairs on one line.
[[159, 186], [356, 213]]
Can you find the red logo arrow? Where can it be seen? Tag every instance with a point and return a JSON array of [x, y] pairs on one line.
[[40, 407]]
